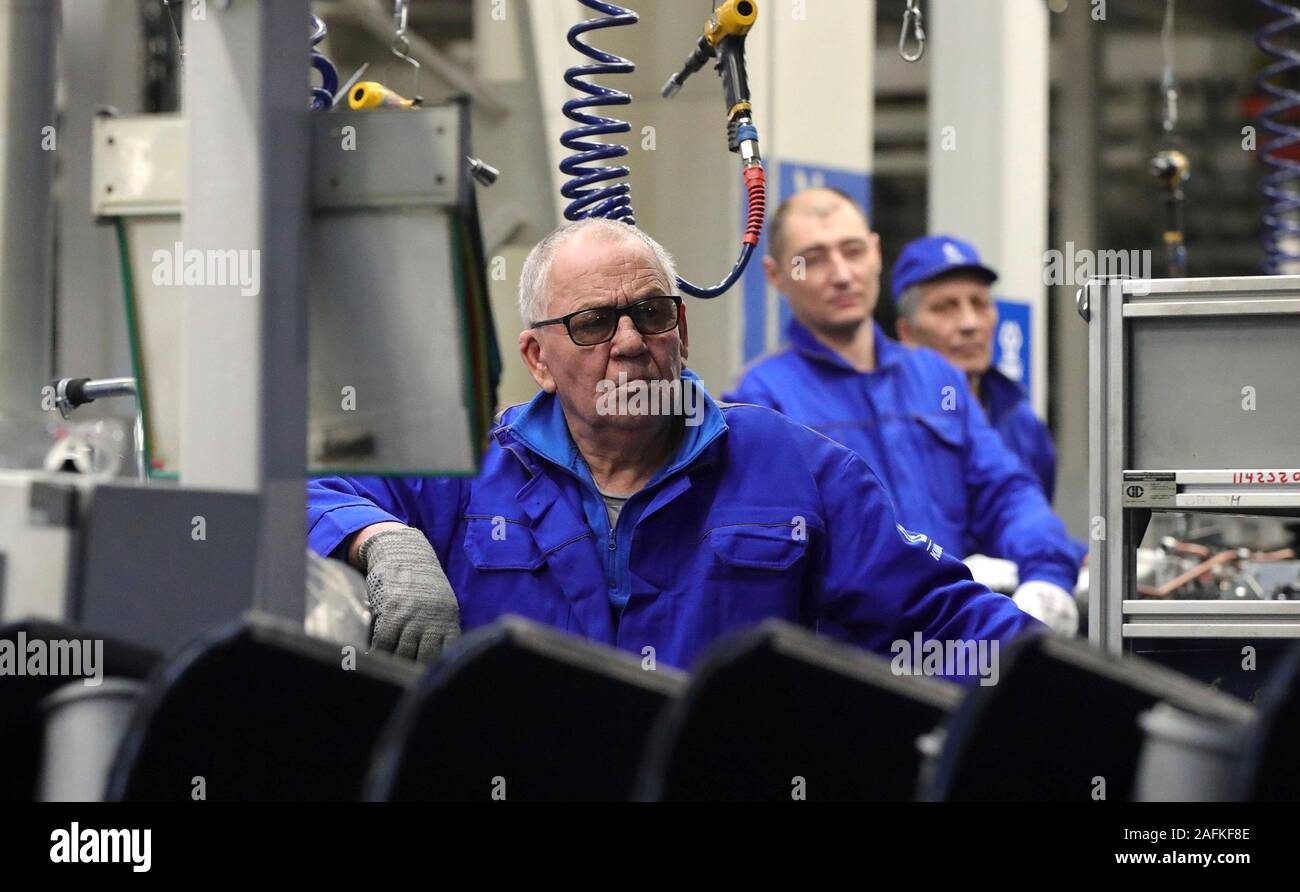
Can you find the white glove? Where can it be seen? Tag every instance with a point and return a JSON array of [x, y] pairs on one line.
[[1049, 604], [998, 574]]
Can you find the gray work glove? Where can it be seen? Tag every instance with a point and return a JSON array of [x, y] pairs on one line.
[[415, 610]]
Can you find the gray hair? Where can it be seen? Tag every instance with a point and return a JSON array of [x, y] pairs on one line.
[[909, 302], [534, 294]]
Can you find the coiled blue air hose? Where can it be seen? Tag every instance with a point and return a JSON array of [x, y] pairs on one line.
[[591, 188], [1281, 215], [322, 97], [587, 197]]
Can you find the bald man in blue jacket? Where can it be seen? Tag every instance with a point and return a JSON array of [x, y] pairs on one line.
[[908, 412]]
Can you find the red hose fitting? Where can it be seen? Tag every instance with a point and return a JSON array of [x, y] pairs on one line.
[[756, 186]]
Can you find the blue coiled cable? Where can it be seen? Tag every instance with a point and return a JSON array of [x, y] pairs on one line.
[[1282, 199], [587, 197], [322, 97], [590, 188]]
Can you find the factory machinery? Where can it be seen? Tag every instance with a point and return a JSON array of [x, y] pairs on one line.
[[1226, 445], [193, 578]]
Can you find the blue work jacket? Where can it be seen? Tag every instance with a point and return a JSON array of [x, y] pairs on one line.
[[754, 517], [1007, 407], [919, 427]]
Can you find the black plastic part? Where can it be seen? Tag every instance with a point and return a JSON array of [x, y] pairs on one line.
[[520, 712], [1269, 770], [258, 711], [702, 53], [775, 713], [76, 392], [1062, 715], [731, 67]]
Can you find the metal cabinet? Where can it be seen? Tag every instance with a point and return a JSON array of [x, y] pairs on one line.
[[1194, 405]]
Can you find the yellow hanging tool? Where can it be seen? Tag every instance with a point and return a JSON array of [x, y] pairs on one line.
[[372, 94]]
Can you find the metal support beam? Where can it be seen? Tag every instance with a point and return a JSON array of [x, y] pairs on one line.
[[28, 144], [1076, 221], [244, 345], [1108, 562]]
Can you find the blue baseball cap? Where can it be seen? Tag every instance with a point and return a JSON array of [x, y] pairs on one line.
[[932, 256]]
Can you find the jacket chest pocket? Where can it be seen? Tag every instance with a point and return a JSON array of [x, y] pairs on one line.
[[772, 546], [497, 543], [755, 568], [506, 573]]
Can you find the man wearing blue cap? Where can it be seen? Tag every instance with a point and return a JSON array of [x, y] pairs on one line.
[[905, 410], [942, 291]]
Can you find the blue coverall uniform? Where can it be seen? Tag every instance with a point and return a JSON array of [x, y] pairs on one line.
[[754, 517], [1007, 407], [918, 426]]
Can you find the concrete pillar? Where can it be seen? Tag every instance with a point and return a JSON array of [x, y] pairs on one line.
[[1076, 221], [244, 356], [813, 72], [988, 150]]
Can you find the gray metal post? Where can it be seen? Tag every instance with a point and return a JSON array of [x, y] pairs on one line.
[[1079, 118], [244, 365], [27, 146], [1108, 565]]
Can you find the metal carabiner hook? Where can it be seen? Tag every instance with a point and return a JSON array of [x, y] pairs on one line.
[[912, 14], [401, 47]]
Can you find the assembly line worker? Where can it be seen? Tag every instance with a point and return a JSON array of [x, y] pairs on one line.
[[641, 530], [944, 302], [906, 411]]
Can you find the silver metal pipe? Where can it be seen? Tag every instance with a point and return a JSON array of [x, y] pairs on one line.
[[110, 387], [72, 393]]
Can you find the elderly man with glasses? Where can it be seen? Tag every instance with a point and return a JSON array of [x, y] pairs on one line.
[[640, 529]]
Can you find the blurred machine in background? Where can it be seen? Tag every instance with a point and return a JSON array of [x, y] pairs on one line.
[[1223, 557], [1195, 406], [412, 221], [401, 377], [388, 365], [301, 291]]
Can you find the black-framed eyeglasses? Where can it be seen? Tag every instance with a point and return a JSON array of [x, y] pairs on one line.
[[651, 315]]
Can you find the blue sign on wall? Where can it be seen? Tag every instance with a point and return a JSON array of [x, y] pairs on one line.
[[1011, 353], [790, 178]]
